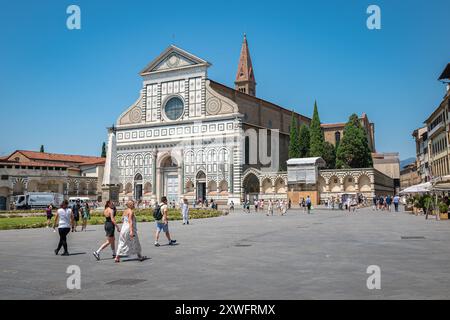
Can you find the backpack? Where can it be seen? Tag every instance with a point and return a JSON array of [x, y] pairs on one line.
[[157, 214]]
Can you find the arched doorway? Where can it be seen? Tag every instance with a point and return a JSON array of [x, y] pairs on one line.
[[280, 186], [251, 186], [138, 187], [364, 184], [170, 178], [223, 187], [4, 195], [349, 184], [19, 188], [201, 185], [334, 184]]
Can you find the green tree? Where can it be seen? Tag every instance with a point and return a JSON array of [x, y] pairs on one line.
[[294, 144], [103, 150], [42, 148], [317, 140], [353, 150], [304, 141], [329, 155]]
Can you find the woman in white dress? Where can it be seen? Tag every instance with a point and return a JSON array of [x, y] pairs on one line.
[[128, 240]]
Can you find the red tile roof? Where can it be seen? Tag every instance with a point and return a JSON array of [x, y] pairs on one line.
[[32, 164], [332, 125], [44, 156]]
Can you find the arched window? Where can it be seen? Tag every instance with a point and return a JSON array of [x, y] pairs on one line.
[[200, 157], [212, 155], [223, 155], [337, 137]]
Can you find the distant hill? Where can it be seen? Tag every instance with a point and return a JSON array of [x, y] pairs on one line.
[[405, 162]]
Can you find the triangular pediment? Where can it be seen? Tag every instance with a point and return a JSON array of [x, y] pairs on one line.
[[173, 58]]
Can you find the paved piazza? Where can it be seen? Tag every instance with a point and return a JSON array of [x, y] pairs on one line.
[[243, 256]]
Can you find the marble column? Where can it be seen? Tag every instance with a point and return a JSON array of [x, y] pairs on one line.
[[154, 157]]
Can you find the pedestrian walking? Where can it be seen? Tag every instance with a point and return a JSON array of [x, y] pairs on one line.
[[396, 202], [231, 205], [49, 214], [283, 207], [388, 203], [270, 208], [76, 215], [128, 239], [375, 203], [381, 203], [185, 211], [85, 215], [247, 206], [353, 204], [110, 227], [162, 222], [64, 220], [304, 204], [308, 204]]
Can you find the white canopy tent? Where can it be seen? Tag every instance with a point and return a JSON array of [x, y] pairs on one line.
[[418, 188]]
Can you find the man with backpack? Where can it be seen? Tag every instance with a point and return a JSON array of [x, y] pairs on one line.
[[308, 204], [76, 214], [162, 223]]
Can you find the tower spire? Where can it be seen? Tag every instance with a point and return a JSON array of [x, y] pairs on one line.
[[245, 77]]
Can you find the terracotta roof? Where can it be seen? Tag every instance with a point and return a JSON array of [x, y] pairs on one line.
[[332, 125], [340, 124], [33, 164], [44, 156]]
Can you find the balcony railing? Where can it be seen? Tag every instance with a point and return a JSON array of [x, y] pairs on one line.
[[439, 126]]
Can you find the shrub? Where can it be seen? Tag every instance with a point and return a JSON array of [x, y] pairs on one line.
[[443, 207]]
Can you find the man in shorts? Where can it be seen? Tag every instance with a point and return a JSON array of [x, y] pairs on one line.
[[163, 223]]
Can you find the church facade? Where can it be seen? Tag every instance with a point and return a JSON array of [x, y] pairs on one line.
[[188, 136]]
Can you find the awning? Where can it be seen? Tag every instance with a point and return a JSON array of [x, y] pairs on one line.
[[418, 188], [442, 186]]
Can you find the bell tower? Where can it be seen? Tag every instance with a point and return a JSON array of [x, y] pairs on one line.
[[245, 78]]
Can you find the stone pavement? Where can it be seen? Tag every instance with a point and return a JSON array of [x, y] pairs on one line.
[[242, 256]]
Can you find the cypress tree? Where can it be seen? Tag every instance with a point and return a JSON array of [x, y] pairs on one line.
[[353, 150], [317, 140], [42, 148], [304, 141], [103, 150], [329, 155], [294, 144]]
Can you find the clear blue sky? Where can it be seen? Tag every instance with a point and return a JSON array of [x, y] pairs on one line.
[[62, 88]]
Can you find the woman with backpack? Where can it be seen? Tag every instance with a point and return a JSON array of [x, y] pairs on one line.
[[110, 226]]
